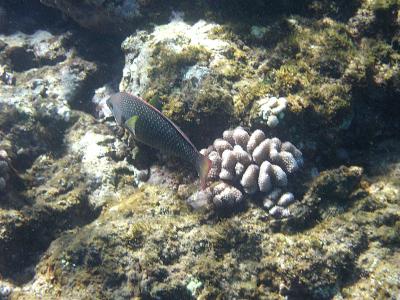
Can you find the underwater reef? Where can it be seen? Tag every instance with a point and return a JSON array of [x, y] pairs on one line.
[[299, 102]]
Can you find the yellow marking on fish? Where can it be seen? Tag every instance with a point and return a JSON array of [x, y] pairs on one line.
[[131, 124]]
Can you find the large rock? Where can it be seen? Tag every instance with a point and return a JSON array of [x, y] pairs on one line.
[[54, 74], [58, 166], [42, 79], [199, 74], [63, 192], [330, 193], [109, 16]]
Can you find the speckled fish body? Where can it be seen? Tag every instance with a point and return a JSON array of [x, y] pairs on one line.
[[151, 127]]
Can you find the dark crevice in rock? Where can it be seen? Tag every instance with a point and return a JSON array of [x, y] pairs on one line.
[[30, 15], [24, 144], [105, 52], [23, 59], [375, 119], [31, 140]]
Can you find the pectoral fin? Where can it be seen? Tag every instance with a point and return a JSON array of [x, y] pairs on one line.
[[131, 124]]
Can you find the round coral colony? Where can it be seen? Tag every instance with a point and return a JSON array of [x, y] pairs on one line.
[[251, 163]]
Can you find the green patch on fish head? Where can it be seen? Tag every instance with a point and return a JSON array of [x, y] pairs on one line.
[[131, 124]]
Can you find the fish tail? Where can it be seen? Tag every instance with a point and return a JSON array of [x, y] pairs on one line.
[[203, 166]]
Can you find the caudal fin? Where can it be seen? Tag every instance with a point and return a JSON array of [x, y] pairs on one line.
[[203, 167]]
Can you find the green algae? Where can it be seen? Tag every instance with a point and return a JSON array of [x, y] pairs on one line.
[[307, 64], [201, 110], [320, 55], [291, 78], [167, 66], [248, 92], [383, 4]]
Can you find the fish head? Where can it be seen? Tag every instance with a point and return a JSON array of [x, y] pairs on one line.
[[114, 104]]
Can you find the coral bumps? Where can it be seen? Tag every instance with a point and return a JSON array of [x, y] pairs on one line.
[[252, 164]]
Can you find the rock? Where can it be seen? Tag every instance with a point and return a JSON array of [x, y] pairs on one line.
[[147, 242], [54, 75], [99, 99], [330, 188], [26, 51], [160, 64], [5, 290], [163, 245], [116, 17], [50, 78], [58, 166], [93, 145], [67, 191]]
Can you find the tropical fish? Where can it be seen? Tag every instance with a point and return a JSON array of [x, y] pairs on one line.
[[149, 126]]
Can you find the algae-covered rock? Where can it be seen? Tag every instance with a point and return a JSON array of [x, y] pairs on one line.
[[64, 192], [151, 245], [54, 75], [25, 51], [207, 73], [329, 194], [203, 78], [307, 69], [58, 166], [48, 79], [175, 63]]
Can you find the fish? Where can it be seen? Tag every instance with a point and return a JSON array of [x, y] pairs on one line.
[[149, 126]]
